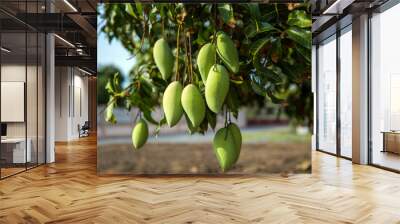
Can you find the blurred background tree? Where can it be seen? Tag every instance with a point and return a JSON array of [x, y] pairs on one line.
[[273, 41], [106, 73]]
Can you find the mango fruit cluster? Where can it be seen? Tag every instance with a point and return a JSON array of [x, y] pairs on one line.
[[179, 100]]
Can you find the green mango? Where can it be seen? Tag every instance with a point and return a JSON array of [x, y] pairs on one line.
[[227, 52], [217, 87], [193, 105], [163, 58], [205, 60], [237, 137], [172, 103], [225, 148], [140, 134]]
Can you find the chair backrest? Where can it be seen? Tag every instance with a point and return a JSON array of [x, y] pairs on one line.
[[86, 124]]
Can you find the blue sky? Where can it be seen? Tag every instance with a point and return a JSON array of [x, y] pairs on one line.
[[112, 53]]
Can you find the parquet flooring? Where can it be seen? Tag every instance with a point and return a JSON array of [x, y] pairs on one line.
[[69, 191], [8, 171]]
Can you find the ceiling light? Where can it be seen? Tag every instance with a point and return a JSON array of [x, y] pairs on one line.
[[84, 71], [80, 51], [5, 50], [64, 40], [70, 5]]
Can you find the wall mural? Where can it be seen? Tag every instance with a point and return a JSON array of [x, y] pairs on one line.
[[212, 88]]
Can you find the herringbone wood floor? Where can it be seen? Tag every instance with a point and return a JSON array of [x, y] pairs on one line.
[[69, 191]]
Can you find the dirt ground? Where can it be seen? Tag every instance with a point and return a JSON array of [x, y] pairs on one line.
[[164, 158]]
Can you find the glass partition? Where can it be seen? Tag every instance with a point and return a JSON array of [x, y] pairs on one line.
[[346, 92], [41, 96], [327, 95], [385, 89], [22, 94], [32, 98], [13, 95]]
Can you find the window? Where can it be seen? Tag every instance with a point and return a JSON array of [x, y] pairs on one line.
[[327, 95], [22, 95], [385, 89], [346, 92]]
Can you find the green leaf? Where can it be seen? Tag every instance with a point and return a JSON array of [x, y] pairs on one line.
[[149, 118], [289, 59], [116, 81], [264, 88], [160, 8], [273, 98], [109, 115], [257, 58], [277, 70], [171, 13], [254, 10], [146, 86], [299, 18], [300, 36], [295, 73], [226, 13], [263, 27], [109, 87], [250, 30], [258, 89], [139, 8], [233, 101], [277, 47], [259, 84], [266, 73], [258, 45], [256, 27], [129, 9], [304, 52]]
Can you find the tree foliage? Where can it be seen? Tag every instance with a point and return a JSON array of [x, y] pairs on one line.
[[273, 41], [105, 74]]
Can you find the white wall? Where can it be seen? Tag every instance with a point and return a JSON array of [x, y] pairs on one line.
[[80, 100], [12, 73], [61, 103], [71, 94], [13, 101], [33, 126]]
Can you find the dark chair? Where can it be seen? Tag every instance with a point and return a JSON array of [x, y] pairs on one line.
[[84, 130]]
